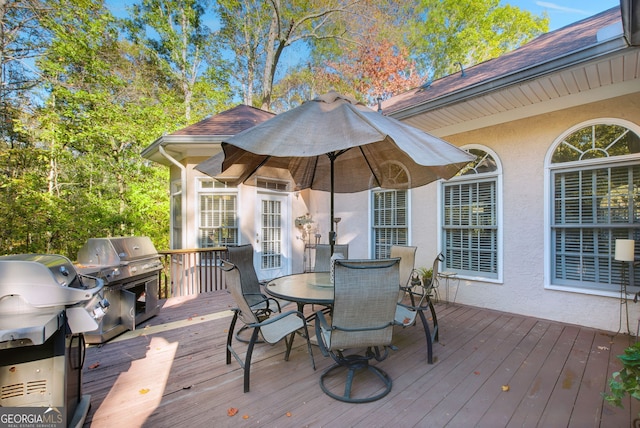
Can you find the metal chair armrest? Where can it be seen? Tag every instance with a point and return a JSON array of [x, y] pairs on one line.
[[275, 318]]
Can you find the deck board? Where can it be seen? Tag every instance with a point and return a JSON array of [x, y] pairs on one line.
[[171, 372]]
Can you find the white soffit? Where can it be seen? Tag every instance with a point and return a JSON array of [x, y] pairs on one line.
[[599, 80]]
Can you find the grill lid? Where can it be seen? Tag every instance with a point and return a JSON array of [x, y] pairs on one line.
[[116, 251], [42, 280]]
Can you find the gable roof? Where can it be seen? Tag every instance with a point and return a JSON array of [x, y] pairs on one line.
[[202, 139], [229, 122], [585, 39]]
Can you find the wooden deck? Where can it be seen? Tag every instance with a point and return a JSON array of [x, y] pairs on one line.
[[171, 372]]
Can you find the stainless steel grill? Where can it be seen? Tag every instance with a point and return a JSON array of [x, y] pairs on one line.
[[45, 307], [129, 266]]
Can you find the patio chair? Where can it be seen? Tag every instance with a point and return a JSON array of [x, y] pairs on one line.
[[272, 327], [242, 257], [415, 299], [365, 294], [407, 255], [323, 256]]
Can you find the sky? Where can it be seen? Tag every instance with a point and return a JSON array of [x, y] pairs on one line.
[[564, 12], [560, 12]]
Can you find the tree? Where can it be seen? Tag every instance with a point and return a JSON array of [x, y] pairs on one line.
[[79, 173], [21, 39], [466, 32], [394, 46], [258, 33], [377, 69], [186, 50]]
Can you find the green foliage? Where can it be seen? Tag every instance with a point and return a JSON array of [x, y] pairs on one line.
[[75, 170], [426, 274], [185, 49], [468, 32], [627, 380]]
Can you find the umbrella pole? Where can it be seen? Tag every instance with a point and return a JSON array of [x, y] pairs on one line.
[[332, 233]]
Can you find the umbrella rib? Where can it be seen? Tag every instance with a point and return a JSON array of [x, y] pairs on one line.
[[246, 176], [375, 177]]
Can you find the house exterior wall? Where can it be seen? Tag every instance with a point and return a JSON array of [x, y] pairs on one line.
[[522, 147]]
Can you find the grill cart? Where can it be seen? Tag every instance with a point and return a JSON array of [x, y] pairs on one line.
[[45, 307]]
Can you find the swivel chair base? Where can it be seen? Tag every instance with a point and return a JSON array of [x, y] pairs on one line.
[[353, 363]]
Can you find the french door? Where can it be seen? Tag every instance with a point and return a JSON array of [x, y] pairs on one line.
[[273, 250]]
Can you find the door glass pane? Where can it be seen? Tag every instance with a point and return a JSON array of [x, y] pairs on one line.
[[271, 234]]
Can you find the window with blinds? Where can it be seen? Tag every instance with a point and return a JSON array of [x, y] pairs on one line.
[[390, 221], [218, 218], [470, 228], [595, 200], [469, 221]]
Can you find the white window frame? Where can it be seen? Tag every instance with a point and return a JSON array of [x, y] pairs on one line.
[[215, 191], [550, 169], [493, 176], [372, 219]]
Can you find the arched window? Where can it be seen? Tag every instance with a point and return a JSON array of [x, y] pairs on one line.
[[594, 171], [470, 220]]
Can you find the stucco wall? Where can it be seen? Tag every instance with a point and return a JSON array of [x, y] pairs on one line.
[[521, 147]]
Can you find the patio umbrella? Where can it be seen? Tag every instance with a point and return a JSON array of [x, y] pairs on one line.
[[334, 143]]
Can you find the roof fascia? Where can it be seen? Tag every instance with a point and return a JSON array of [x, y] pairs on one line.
[[167, 140]]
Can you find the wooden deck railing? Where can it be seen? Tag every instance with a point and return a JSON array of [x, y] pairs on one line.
[[191, 271]]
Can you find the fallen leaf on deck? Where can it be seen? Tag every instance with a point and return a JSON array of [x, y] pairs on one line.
[[231, 411], [603, 348], [505, 388], [94, 366], [189, 319], [144, 390], [245, 416], [288, 414], [476, 373]]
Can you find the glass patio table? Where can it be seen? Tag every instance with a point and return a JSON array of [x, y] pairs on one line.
[[303, 289]]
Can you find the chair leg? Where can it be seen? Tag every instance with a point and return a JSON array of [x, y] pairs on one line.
[[230, 336], [435, 321], [247, 361], [306, 333], [289, 343], [427, 333]]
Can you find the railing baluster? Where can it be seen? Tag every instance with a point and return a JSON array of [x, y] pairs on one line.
[[191, 271]]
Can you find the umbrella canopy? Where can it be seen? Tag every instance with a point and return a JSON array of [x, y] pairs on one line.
[[334, 143]]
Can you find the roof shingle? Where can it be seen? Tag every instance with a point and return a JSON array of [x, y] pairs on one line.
[[229, 122]]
